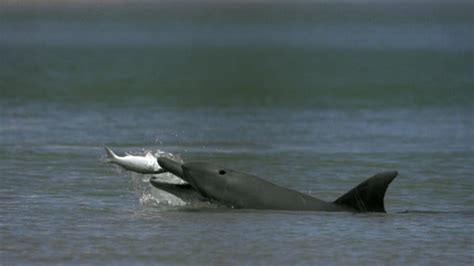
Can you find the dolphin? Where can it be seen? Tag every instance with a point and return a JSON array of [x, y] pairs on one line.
[[142, 164], [225, 186]]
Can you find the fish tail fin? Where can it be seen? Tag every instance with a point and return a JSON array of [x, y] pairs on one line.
[[111, 156], [368, 196]]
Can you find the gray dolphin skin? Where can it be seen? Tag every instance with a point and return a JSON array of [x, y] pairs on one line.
[[240, 190]]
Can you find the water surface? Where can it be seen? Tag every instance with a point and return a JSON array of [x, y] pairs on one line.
[[314, 97]]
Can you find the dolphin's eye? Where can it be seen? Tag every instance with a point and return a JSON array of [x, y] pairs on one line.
[[222, 172]]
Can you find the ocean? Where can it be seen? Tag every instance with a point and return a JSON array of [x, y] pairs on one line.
[[315, 96]]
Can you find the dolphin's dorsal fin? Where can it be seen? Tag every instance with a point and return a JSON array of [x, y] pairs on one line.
[[368, 195], [149, 155]]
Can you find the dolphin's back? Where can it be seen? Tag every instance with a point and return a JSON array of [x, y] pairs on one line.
[[242, 190]]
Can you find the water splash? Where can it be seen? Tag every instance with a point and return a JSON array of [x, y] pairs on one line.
[[140, 183], [149, 196]]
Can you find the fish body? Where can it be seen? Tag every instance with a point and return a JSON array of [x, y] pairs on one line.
[[141, 164]]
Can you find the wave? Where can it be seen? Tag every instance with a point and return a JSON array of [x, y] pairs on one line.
[[417, 211]]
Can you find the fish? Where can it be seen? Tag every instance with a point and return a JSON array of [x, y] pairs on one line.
[[147, 164]]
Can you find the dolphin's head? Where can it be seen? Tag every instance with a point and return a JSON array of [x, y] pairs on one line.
[[209, 179], [193, 170], [226, 186], [202, 170]]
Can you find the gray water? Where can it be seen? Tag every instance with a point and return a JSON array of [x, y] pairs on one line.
[[314, 97]]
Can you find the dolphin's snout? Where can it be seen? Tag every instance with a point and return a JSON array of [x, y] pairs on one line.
[[171, 166]]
